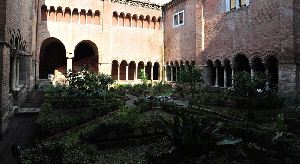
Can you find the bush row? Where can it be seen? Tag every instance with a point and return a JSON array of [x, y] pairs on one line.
[[286, 146], [47, 126]]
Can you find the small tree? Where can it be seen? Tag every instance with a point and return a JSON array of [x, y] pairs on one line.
[[85, 83], [190, 76], [252, 87], [143, 76]]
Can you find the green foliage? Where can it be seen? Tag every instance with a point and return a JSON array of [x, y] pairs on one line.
[[188, 133], [280, 126], [143, 76], [85, 83], [190, 76], [249, 132], [249, 90], [58, 152]]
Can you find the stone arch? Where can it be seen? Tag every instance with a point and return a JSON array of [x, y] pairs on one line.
[[219, 73], [271, 65], [257, 64], [147, 21], [59, 14], [121, 19], [141, 21], [157, 25], [97, 17], [52, 56], [141, 65], [67, 15], [44, 13], [209, 73], [52, 14], [153, 23], [131, 70], [82, 16], [148, 70], [115, 18], [227, 73], [89, 16], [75, 15], [123, 70], [134, 20], [86, 53], [114, 70], [127, 22], [156, 70], [241, 63]]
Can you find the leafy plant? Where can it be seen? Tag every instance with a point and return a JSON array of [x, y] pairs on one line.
[[188, 133], [190, 76], [143, 76], [85, 83], [279, 126], [252, 89]]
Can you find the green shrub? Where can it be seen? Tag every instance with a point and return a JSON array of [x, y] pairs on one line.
[[58, 152]]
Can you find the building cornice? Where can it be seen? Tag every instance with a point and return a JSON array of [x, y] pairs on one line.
[[138, 3], [172, 4]]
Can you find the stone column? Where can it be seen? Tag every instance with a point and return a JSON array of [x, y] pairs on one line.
[[136, 71], [13, 74], [232, 72], [69, 63], [225, 76], [171, 73], [151, 78], [126, 72], [17, 72], [252, 70], [217, 76], [119, 72]]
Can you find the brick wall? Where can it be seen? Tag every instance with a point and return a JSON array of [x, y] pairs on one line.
[[111, 42], [180, 42]]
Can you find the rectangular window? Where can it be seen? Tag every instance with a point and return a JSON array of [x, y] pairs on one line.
[[232, 4], [235, 4], [243, 3], [178, 19], [175, 20]]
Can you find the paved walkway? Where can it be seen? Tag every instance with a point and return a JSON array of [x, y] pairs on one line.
[[21, 130]]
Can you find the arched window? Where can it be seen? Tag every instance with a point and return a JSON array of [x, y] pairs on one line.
[[140, 22], [52, 14], [82, 17], [59, 15], [121, 19], [67, 17], [97, 18], [115, 19], [147, 22], [127, 21], [75, 16], [44, 13], [89, 17], [134, 21], [153, 23], [157, 25]]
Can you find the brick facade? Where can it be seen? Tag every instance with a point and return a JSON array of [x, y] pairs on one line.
[[264, 32]]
